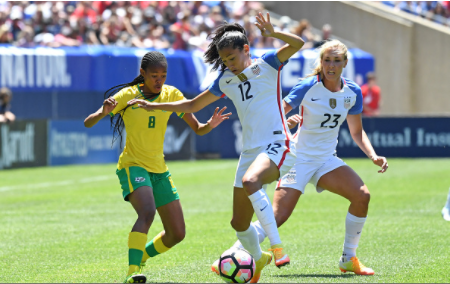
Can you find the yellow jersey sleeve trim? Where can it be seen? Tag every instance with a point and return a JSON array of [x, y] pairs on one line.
[[181, 115]]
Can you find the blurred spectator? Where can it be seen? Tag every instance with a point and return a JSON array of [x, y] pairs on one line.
[[5, 35], [181, 25], [326, 33], [436, 11], [303, 30], [371, 96], [182, 31], [6, 116]]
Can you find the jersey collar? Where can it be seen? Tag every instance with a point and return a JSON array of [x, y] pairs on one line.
[[150, 100]]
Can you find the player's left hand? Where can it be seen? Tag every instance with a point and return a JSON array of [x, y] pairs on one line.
[[381, 162], [218, 117], [142, 104], [265, 26]]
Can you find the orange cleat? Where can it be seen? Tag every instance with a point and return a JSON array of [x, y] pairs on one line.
[[353, 265], [281, 258]]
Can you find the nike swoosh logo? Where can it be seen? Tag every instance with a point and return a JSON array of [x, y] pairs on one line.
[[229, 81], [263, 208], [312, 99], [283, 258], [134, 107]]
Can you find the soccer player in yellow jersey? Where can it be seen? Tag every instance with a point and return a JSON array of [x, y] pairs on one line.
[[145, 179]]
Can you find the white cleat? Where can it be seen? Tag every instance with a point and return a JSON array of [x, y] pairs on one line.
[[446, 213]]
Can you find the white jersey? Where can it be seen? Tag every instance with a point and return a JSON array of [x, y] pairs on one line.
[[256, 94], [323, 113]]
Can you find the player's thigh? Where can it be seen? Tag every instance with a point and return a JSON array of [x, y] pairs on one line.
[[343, 181], [137, 189], [275, 160], [242, 210], [284, 202], [143, 201], [262, 171]]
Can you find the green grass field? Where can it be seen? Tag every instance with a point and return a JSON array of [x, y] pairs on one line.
[[70, 224]]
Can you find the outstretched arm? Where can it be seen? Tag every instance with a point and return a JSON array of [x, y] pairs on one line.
[[204, 128], [293, 42], [186, 106], [361, 139]]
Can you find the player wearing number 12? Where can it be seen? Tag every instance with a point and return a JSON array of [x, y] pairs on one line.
[[255, 89], [145, 179]]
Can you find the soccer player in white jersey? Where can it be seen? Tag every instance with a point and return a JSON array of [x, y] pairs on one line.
[[326, 99], [268, 152]]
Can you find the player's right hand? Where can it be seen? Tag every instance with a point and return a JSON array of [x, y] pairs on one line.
[[294, 120], [108, 105], [142, 104]]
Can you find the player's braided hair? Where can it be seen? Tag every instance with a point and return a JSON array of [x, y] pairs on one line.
[[226, 35], [152, 58]]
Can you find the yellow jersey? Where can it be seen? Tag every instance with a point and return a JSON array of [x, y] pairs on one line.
[[144, 144]]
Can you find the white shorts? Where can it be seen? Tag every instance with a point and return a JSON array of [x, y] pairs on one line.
[[281, 152], [304, 172]]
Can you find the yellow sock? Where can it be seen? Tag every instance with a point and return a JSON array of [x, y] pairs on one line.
[[136, 247], [154, 247]]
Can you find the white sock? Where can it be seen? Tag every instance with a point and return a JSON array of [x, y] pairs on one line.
[[353, 229], [448, 200], [249, 240], [264, 212], [259, 230]]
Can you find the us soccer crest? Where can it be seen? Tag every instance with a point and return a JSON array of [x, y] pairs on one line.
[[347, 101], [256, 70], [333, 103], [290, 177]]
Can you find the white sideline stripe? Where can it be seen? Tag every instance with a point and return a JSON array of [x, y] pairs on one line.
[[56, 183]]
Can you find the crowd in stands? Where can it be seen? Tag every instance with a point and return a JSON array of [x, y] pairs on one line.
[[146, 24], [436, 11]]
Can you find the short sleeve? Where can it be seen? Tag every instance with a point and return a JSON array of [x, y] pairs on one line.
[[177, 95], [298, 92], [358, 106], [215, 87], [121, 102], [272, 59]]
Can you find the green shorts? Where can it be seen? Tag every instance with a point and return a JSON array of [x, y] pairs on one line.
[[164, 190]]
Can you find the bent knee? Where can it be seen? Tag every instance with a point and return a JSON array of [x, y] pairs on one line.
[[251, 184], [177, 236], [148, 215], [363, 195]]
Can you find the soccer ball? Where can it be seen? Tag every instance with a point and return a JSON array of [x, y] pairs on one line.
[[236, 266]]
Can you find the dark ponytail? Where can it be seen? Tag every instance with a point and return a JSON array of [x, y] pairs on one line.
[[226, 35], [153, 58]]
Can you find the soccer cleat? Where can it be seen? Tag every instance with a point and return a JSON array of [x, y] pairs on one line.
[[353, 265], [215, 267], [265, 260], [446, 213], [135, 277], [281, 258]]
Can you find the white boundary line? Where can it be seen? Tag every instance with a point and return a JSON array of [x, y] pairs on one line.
[[56, 183]]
